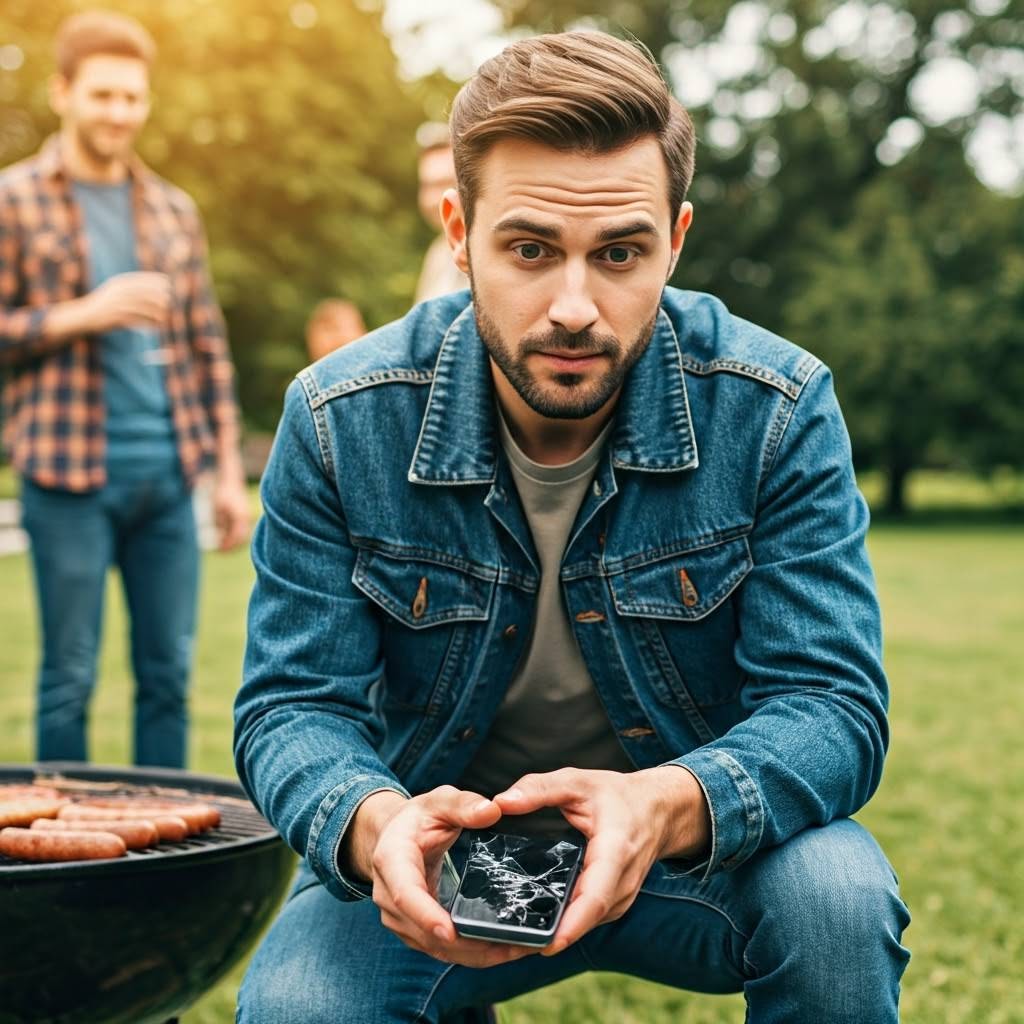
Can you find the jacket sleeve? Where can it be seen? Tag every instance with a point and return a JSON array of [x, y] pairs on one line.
[[306, 724], [809, 644]]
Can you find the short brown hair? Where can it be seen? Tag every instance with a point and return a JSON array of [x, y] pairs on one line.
[[92, 33], [573, 91]]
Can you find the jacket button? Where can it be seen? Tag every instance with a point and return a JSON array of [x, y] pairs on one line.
[[510, 631], [419, 603], [467, 734]]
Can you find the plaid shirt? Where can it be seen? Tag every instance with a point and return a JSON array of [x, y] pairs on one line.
[[52, 398]]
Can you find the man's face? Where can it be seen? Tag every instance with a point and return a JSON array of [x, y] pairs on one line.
[[568, 256], [105, 105], [437, 175]]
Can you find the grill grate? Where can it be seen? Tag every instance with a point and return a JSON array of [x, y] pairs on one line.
[[240, 823]]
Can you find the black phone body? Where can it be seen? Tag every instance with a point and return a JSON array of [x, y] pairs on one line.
[[515, 888]]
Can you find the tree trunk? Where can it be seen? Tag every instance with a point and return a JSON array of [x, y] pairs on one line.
[[896, 488]]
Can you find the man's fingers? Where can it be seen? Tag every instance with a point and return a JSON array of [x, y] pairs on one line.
[[462, 808], [597, 895], [532, 792]]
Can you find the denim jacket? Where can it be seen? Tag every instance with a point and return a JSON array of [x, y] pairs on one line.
[[715, 578]]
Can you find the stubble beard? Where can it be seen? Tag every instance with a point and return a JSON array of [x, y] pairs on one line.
[[100, 156], [566, 397]]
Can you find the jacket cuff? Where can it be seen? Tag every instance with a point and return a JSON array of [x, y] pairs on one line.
[[734, 802], [331, 822]]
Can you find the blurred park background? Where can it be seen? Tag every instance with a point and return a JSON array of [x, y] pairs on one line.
[[859, 189]]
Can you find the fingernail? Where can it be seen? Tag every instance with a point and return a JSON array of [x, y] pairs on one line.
[[441, 933], [483, 805], [513, 794]]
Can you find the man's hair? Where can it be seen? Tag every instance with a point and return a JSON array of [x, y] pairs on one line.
[[93, 33], [573, 91]]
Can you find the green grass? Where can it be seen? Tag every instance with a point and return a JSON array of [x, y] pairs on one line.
[[950, 812]]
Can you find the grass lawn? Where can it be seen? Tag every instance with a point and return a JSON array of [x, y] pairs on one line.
[[950, 813]]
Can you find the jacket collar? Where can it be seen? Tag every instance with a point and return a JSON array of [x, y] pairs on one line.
[[458, 442]]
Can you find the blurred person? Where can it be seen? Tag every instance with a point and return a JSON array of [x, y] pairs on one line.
[[118, 391], [439, 274], [585, 551], [332, 324]]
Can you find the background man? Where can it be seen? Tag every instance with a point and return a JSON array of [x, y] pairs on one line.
[[118, 390], [439, 274], [589, 547], [332, 324]]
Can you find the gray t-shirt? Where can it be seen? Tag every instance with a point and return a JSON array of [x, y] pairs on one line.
[[551, 717]]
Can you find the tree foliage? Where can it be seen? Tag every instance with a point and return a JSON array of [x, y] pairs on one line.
[[835, 202], [289, 126]]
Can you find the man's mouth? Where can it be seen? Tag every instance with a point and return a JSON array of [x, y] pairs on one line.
[[571, 361]]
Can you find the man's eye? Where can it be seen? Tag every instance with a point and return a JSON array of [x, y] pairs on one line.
[[529, 251], [620, 255]]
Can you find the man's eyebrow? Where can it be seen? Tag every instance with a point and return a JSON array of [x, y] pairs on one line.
[[530, 227], [638, 227]]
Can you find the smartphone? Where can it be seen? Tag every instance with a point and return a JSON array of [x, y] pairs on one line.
[[514, 888]]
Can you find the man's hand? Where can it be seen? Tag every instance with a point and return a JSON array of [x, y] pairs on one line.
[[400, 845], [230, 510], [630, 821], [136, 299]]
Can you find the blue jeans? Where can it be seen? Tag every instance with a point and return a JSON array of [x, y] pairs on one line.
[[809, 931], [147, 528]]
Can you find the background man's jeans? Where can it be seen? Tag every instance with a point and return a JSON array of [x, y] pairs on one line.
[[146, 528], [809, 931]]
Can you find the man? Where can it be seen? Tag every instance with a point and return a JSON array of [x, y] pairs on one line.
[[332, 324], [588, 546], [439, 274], [118, 391]]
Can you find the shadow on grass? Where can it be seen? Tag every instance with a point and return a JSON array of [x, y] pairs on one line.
[[936, 517]]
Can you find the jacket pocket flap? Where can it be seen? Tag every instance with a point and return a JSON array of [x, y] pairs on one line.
[[420, 593], [686, 586]]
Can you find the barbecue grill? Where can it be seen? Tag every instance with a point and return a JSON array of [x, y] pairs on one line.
[[138, 939]]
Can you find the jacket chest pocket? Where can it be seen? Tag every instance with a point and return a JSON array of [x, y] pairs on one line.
[[681, 612], [431, 615]]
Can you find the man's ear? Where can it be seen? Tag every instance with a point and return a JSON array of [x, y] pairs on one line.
[[58, 93], [679, 229], [455, 228]]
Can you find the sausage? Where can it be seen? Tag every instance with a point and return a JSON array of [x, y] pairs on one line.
[[21, 813], [38, 845], [16, 791], [199, 816], [137, 835], [169, 826]]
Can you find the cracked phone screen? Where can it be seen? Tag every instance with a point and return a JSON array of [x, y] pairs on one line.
[[512, 880]]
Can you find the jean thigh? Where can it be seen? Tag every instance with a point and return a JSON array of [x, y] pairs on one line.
[[328, 962], [71, 542]]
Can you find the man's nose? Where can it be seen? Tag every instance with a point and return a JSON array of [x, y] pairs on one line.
[[573, 306]]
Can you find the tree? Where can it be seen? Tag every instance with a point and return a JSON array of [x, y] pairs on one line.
[[288, 124], [812, 115]]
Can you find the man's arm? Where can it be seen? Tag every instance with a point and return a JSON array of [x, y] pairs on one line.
[[208, 339], [30, 332], [306, 724], [809, 644]]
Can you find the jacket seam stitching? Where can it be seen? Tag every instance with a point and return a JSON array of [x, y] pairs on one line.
[[763, 374], [370, 380]]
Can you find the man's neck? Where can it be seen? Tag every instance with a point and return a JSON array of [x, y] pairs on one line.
[[547, 441], [81, 165]]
